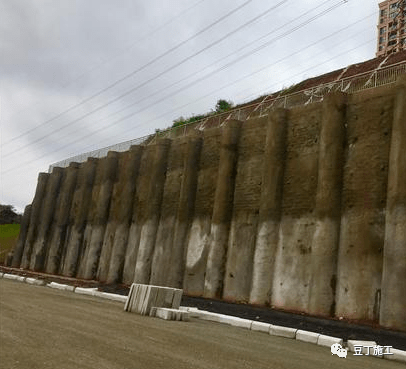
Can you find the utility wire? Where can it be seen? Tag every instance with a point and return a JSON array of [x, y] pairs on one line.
[[272, 64], [211, 93], [267, 44], [249, 53], [28, 162], [154, 60], [205, 68], [167, 70], [269, 87]]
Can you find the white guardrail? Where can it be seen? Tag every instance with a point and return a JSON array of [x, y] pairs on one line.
[[359, 82]]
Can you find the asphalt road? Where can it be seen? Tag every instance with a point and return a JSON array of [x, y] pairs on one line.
[[45, 328]]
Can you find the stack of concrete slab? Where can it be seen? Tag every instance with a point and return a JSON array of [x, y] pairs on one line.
[[143, 297]]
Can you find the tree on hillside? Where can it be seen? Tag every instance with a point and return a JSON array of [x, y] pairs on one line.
[[8, 215], [223, 105]]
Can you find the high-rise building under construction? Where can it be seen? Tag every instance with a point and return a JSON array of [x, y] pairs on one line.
[[391, 27]]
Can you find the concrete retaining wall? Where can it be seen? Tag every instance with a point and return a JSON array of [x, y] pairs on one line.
[[302, 209]]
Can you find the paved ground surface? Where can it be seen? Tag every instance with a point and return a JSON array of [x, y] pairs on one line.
[[45, 328], [333, 327]]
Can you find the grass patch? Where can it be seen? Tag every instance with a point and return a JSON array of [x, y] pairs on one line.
[[8, 239]]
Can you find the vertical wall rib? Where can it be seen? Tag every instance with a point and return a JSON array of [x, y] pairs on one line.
[[393, 303], [170, 203], [185, 212], [101, 198], [113, 214], [364, 197], [292, 274], [197, 247], [36, 207], [138, 217], [125, 195], [328, 206], [270, 207], [41, 245], [61, 218], [222, 210], [153, 211], [78, 216], [246, 204]]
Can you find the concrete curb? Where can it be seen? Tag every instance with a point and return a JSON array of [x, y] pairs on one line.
[[260, 327], [36, 282], [398, 355], [241, 323], [306, 336], [59, 286], [12, 277], [111, 296], [85, 291], [351, 344], [280, 331], [328, 341]]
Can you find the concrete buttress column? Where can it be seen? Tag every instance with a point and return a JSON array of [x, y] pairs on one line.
[[185, 212], [270, 208], [153, 208], [115, 240], [46, 217], [36, 208], [79, 211], [222, 210], [363, 205], [138, 215], [328, 206], [393, 300], [197, 244], [58, 234], [19, 248], [101, 198]]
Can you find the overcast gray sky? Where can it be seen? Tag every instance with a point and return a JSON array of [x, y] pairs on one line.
[[72, 70]]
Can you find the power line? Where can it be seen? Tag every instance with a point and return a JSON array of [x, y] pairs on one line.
[[202, 78], [205, 68], [250, 74], [250, 53], [197, 53], [265, 67], [209, 94], [167, 70], [129, 115], [310, 68], [28, 162], [154, 60]]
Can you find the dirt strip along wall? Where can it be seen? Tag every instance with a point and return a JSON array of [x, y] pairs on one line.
[[301, 209]]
